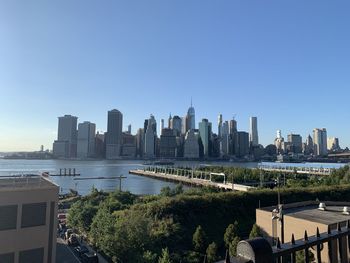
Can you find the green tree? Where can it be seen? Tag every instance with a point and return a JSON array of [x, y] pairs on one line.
[[165, 257], [166, 191], [233, 246], [103, 229], [211, 252], [149, 257], [199, 240], [255, 232], [230, 233], [300, 256], [178, 189]]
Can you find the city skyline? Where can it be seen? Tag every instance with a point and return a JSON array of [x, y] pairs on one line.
[[215, 130], [286, 63]]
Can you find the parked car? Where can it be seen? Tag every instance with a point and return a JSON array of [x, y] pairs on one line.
[[73, 240], [61, 216], [68, 233], [81, 250], [90, 257]]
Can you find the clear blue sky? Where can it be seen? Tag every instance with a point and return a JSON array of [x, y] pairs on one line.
[[287, 62]]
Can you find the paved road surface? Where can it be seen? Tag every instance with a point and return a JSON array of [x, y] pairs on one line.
[[64, 254]]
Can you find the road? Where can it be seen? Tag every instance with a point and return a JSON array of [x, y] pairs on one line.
[[64, 254]]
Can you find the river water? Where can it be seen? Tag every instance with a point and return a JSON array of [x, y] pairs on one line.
[[103, 168]]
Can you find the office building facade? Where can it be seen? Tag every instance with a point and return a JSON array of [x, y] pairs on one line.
[[167, 144], [253, 134], [66, 144], [205, 135], [191, 146], [86, 140], [114, 134], [28, 220], [320, 142]]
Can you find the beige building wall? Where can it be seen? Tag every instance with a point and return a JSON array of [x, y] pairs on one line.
[[297, 226], [22, 239]]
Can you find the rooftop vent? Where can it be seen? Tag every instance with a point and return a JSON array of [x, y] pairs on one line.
[[322, 207], [346, 210]]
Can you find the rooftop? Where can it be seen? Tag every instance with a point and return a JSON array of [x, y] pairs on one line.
[[309, 211], [25, 182]]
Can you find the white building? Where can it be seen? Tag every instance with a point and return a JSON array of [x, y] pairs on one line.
[[320, 142], [86, 140], [333, 144]]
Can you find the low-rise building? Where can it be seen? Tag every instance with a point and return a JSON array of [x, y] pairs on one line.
[[294, 219], [28, 219]]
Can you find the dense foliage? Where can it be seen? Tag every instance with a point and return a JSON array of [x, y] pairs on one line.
[[184, 225], [257, 176]]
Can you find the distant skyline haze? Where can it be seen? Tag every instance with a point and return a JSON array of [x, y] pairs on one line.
[[287, 63]]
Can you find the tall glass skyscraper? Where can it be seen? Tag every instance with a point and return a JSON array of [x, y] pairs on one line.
[[253, 134], [66, 144], [205, 133], [114, 134]]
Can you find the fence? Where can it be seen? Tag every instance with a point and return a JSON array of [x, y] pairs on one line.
[[259, 250]]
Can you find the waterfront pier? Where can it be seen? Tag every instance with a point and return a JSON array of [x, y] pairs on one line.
[[296, 169], [190, 177]]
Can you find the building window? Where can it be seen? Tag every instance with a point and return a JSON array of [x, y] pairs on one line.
[[32, 256], [33, 215], [8, 217], [7, 258]]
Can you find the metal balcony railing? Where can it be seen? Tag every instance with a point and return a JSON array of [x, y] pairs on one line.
[[332, 246]]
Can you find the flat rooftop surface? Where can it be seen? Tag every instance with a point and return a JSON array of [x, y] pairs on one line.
[[25, 182], [310, 212], [332, 215]]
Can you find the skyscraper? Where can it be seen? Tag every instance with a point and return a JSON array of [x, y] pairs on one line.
[[176, 124], [205, 134], [86, 140], [253, 135], [333, 144], [161, 126], [233, 126], [150, 138], [66, 144], [191, 118], [191, 147], [149, 150], [225, 139], [167, 144], [279, 143], [114, 134], [242, 144], [295, 143], [220, 125], [320, 142]]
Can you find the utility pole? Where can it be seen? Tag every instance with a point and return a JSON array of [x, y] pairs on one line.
[[120, 178]]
